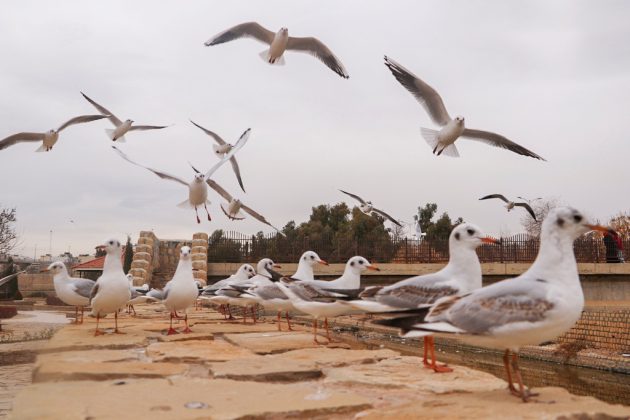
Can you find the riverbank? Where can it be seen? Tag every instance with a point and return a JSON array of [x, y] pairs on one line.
[[234, 370]]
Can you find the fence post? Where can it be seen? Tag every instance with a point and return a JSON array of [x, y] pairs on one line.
[[406, 251]]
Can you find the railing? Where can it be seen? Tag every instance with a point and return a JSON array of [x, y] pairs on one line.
[[237, 247]]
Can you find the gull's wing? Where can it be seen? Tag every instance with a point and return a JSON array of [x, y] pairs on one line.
[[320, 51], [415, 292], [103, 111], [93, 292], [425, 94], [219, 189], [356, 197], [162, 175], [528, 208], [269, 292], [83, 287], [212, 134], [247, 29], [387, 216], [81, 119], [239, 144], [497, 140], [308, 292], [146, 127], [237, 172], [258, 217], [19, 138], [515, 300], [499, 196]]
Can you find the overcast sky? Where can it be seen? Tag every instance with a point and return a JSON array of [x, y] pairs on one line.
[[554, 76]]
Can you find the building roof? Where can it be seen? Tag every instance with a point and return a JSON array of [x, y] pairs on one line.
[[96, 264]]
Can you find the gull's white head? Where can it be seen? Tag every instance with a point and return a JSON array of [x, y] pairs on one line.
[[567, 222], [199, 178], [359, 264], [246, 271], [311, 258], [459, 119], [128, 121], [283, 31], [184, 253], [469, 236], [51, 132], [266, 264], [112, 246], [56, 268]]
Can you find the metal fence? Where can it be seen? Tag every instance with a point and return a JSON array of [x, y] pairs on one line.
[[237, 247]]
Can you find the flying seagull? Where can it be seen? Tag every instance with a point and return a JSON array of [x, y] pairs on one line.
[[530, 200], [220, 149], [197, 188], [50, 137], [443, 141], [367, 208], [511, 204], [118, 133], [279, 43]]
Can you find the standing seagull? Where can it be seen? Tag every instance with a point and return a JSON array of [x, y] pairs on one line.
[[71, 290], [111, 291], [443, 141], [367, 208], [279, 43], [118, 133], [181, 292], [220, 149], [197, 188], [537, 306], [511, 204], [50, 137]]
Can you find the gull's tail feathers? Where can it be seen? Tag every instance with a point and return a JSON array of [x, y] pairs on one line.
[[266, 56]]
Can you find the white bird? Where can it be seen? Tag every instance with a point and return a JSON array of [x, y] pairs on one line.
[[535, 307], [511, 204], [197, 188], [367, 208], [122, 127], [305, 266], [220, 149], [72, 291], [417, 227], [181, 292], [138, 295], [461, 275], [209, 293], [279, 43], [111, 291], [443, 141], [50, 137]]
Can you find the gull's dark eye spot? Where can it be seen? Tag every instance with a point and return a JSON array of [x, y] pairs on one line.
[[312, 257], [111, 242], [457, 236], [305, 258], [471, 232], [560, 222], [352, 264], [578, 218]]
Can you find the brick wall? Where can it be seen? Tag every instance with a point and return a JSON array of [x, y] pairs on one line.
[[606, 328]]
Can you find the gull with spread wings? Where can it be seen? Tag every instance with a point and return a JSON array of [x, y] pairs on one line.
[[511, 204], [50, 137], [367, 208], [197, 188], [443, 141], [122, 127], [220, 149], [279, 43]]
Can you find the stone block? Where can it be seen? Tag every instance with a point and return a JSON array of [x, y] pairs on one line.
[[199, 250], [145, 241], [199, 242], [144, 248], [201, 235], [199, 257], [140, 264], [199, 265]]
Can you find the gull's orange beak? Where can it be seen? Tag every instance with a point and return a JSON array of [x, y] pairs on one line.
[[489, 240], [322, 262], [373, 267], [44, 270], [598, 228], [277, 266]]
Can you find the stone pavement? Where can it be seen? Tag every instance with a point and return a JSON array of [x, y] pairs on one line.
[[231, 370]]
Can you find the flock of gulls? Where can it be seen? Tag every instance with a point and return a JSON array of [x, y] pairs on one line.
[[535, 307]]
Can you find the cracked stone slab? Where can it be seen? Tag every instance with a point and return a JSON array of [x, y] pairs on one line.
[[96, 371], [82, 338], [196, 351], [337, 357], [184, 398], [277, 342], [97, 356], [408, 372], [266, 369]]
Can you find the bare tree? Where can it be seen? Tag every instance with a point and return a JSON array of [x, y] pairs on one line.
[[621, 223], [541, 209], [8, 237]]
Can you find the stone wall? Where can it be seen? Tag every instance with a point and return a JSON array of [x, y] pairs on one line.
[[601, 327], [200, 257], [36, 284], [142, 265]]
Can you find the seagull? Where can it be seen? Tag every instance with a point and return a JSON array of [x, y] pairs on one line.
[[232, 209], [279, 43], [111, 291], [461, 275], [181, 292], [305, 266], [138, 295], [443, 141], [72, 291], [197, 188], [418, 233], [511, 204], [50, 137], [122, 127], [242, 275], [367, 208], [220, 149], [529, 201], [535, 307]]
